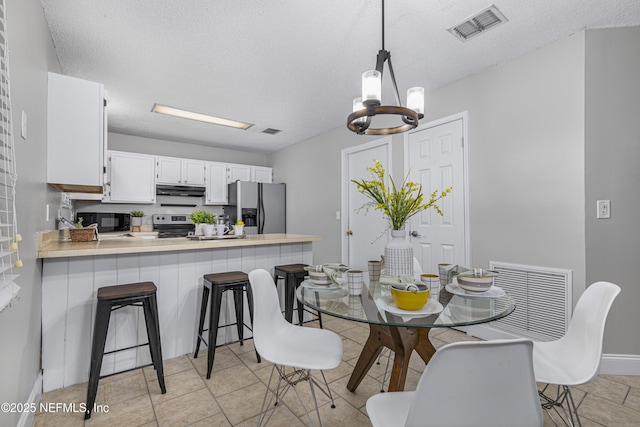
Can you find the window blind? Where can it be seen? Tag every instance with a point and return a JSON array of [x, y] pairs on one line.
[[9, 238]]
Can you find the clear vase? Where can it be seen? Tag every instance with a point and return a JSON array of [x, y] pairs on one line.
[[398, 255]]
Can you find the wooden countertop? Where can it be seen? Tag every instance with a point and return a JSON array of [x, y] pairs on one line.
[[52, 247]]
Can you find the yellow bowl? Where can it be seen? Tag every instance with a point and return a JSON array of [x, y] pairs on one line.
[[406, 300]]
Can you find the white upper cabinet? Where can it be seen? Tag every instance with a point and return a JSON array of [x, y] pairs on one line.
[[238, 173], [217, 188], [175, 171], [76, 134], [249, 173], [262, 174], [130, 178]]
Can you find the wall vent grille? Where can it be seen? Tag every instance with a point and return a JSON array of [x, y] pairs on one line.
[[543, 300], [478, 23]]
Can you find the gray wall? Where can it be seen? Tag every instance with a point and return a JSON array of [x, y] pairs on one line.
[[526, 135], [526, 157], [612, 156], [312, 171], [31, 56]]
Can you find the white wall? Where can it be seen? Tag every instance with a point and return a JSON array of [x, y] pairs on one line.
[[31, 55]]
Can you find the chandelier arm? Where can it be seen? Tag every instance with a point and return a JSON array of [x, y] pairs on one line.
[[383, 55], [393, 80]]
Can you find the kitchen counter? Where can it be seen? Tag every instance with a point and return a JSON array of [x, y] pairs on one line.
[[72, 272], [52, 247]]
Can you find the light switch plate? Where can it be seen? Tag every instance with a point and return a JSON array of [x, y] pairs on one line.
[[604, 209]]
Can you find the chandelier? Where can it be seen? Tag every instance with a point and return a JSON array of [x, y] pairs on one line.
[[369, 105]]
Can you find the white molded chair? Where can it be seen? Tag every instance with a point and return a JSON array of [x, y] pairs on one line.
[[469, 383], [289, 346], [575, 358]]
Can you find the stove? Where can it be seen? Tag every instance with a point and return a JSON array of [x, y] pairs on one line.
[[172, 225]]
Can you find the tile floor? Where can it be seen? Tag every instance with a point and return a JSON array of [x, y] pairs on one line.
[[233, 395]]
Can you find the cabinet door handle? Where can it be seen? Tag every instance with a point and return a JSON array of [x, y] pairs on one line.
[[415, 234], [349, 233]]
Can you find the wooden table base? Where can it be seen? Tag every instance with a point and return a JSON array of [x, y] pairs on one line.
[[402, 341]]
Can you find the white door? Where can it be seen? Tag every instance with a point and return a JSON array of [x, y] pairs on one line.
[[364, 235], [435, 155]]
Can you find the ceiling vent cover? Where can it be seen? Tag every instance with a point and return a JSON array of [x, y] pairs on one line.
[[476, 24], [271, 131]]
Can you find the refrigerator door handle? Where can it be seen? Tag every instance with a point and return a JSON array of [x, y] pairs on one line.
[[261, 208]]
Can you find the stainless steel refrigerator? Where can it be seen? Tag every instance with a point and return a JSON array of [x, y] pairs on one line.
[[260, 205]]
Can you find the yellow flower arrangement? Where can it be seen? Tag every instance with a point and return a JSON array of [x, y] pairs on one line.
[[397, 205]]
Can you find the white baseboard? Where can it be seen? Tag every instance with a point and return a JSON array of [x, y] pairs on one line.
[[612, 364], [26, 420], [620, 364]]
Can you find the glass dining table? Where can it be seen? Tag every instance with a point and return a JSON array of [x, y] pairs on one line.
[[399, 330]]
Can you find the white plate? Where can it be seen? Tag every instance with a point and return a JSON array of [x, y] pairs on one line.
[[493, 292], [309, 284], [431, 307], [320, 282]]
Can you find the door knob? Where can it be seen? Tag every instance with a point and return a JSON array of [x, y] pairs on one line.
[[349, 233], [414, 234]]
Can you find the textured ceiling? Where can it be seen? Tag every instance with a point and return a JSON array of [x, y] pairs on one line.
[[293, 65]]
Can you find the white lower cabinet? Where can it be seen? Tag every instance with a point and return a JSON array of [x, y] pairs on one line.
[[216, 184], [130, 178]]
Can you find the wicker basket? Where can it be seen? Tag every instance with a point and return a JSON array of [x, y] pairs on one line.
[[82, 234]]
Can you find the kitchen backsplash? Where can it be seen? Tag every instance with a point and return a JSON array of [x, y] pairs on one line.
[[163, 205]]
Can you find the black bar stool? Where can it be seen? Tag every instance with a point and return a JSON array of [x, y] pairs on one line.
[[293, 275], [214, 286], [112, 298]]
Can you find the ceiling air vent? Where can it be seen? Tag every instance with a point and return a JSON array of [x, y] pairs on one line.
[[271, 131], [476, 24]]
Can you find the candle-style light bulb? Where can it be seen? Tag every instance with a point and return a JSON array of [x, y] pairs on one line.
[[371, 86], [415, 99]]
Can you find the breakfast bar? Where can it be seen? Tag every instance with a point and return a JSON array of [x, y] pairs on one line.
[[73, 271]]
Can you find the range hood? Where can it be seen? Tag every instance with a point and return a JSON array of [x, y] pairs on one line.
[[180, 190]]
